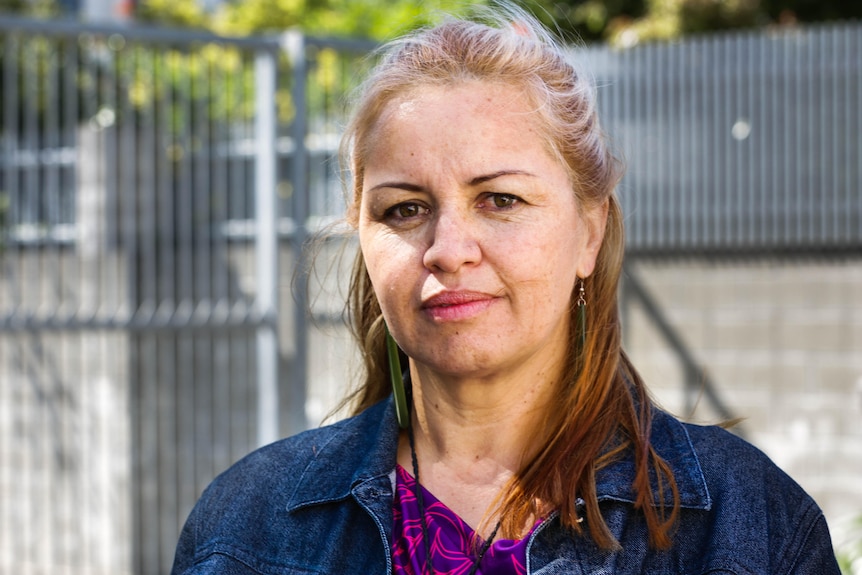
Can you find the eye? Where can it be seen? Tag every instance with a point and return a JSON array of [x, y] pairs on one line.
[[405, 211], [502, 201]]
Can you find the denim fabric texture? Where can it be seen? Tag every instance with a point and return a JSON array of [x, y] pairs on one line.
[[321, 502]]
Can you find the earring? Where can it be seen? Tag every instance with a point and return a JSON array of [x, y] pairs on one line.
[[581, 319], [397, 379]]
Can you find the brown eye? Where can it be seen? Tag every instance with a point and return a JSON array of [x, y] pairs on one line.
[[503, 200], [407, 210]]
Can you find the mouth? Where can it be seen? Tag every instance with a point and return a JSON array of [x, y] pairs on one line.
[[457, 305]]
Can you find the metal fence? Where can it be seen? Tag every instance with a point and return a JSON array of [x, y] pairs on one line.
[[155, 186], [737, 146], [146, 208], [743, 144]]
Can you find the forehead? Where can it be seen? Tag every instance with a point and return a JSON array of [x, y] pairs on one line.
[[451, 118], [469, 99]]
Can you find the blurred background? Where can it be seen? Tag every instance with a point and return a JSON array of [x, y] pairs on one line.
[[167, 168]]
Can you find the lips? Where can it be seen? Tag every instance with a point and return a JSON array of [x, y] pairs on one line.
[[457, 305]]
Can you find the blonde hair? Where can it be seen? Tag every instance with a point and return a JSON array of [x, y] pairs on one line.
[[603, 405]]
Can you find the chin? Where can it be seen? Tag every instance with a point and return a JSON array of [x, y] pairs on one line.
[[461, 367]]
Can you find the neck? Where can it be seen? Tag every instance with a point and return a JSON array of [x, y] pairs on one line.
[[472, 435], [472, 419]]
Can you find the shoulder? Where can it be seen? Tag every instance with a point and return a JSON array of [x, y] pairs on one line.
[[732, 469], [757, 509], [730, 464], [328, 457], [738, 511], [717, 458], [250, 510]]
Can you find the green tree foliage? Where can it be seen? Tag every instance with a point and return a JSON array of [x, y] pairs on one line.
[[181, 13], [625, 22], [811, 10], [586, 20], [31, 8], [375, 19]]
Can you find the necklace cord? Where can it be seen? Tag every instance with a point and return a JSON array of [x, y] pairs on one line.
[[417, 491]]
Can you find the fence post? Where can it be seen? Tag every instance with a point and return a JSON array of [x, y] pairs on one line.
[[266, 247], [294, 45]]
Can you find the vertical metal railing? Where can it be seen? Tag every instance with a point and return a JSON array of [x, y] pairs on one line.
[[266, 209], [137, 328], [154, 201], [294, 46], [745, 144]]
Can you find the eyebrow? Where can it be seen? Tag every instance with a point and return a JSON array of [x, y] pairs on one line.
[[406, 186], [487, 178]]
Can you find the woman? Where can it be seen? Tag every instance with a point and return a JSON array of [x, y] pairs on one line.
[[521, 439]]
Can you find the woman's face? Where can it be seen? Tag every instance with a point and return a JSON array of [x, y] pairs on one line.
[[471, 232]]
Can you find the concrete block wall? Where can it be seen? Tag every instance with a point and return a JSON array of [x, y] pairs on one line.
[[783, 344]]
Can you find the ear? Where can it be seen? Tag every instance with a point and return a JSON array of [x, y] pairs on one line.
[[596, 220]]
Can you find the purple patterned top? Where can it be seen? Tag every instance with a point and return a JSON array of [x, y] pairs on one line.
[[452, 550]]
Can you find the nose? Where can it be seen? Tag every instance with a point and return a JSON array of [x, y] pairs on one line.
[[454, 243]]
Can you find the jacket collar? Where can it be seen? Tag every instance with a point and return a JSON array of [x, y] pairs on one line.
[[671, 441], [350, 453], [363, 449]]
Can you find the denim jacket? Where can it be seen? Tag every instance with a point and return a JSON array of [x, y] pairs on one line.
[[321, 502]]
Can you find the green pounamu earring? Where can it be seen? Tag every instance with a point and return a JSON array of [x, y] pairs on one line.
[[397, 379]]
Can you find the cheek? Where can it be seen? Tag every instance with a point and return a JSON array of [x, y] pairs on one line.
[[387, 261], [549, 261]]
